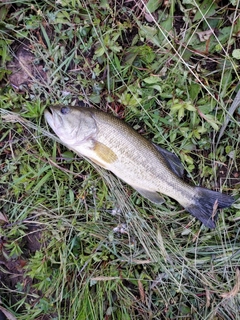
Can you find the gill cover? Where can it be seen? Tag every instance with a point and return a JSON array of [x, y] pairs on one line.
[[72, 125]]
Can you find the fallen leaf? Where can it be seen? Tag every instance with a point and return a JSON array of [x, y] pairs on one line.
[[8, 314], [3, 218], [204, 35]]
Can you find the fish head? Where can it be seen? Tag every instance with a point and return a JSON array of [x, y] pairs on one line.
[[73, 125]]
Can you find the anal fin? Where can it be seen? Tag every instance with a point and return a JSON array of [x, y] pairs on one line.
[[150, 195]]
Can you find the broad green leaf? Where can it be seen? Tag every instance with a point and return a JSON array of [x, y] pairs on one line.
[[226, 80], [116, 48], [95, 98], [151, 80], [68, 155], [63, 14], [3, 12], [188, 159], [189, 107], [194, 90], [212, 121], [147, 32], [153, 5], [236, 54], [176, 107], [157, 87], [99, 52], [224, 35], [208, 107], [206, 9], [192, 2], [181, 114]]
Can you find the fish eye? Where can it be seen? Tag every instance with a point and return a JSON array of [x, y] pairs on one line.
[[65, 110]]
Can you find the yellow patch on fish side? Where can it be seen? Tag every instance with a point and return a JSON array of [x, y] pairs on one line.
[[104, 153]]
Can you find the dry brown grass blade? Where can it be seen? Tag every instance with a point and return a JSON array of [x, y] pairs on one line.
[[235, 290], [8, 116], [141, 291], [103, 278]]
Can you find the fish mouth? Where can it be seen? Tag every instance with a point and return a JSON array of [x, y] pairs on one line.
[[48, 110], [48, 113], [53, 118]]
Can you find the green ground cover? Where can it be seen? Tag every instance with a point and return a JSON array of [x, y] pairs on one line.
[[75, 242]]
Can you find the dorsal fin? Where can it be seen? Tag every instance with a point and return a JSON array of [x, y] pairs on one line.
[[172, 161]]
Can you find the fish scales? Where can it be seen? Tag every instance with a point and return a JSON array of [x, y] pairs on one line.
[[141, 161]]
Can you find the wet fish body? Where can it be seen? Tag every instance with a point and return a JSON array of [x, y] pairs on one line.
[[151, 170]]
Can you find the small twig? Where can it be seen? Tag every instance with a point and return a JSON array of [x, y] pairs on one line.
[[234, 105]]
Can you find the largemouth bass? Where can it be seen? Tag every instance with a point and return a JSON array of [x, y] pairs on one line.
[[149, 169]]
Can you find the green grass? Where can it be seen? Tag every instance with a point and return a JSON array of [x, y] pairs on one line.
[[170, 70]]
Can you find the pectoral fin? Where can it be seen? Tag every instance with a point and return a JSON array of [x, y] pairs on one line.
[[104, 153], [150, 195], [172, 161]]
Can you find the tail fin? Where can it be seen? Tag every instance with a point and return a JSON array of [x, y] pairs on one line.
[[206, 202]]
